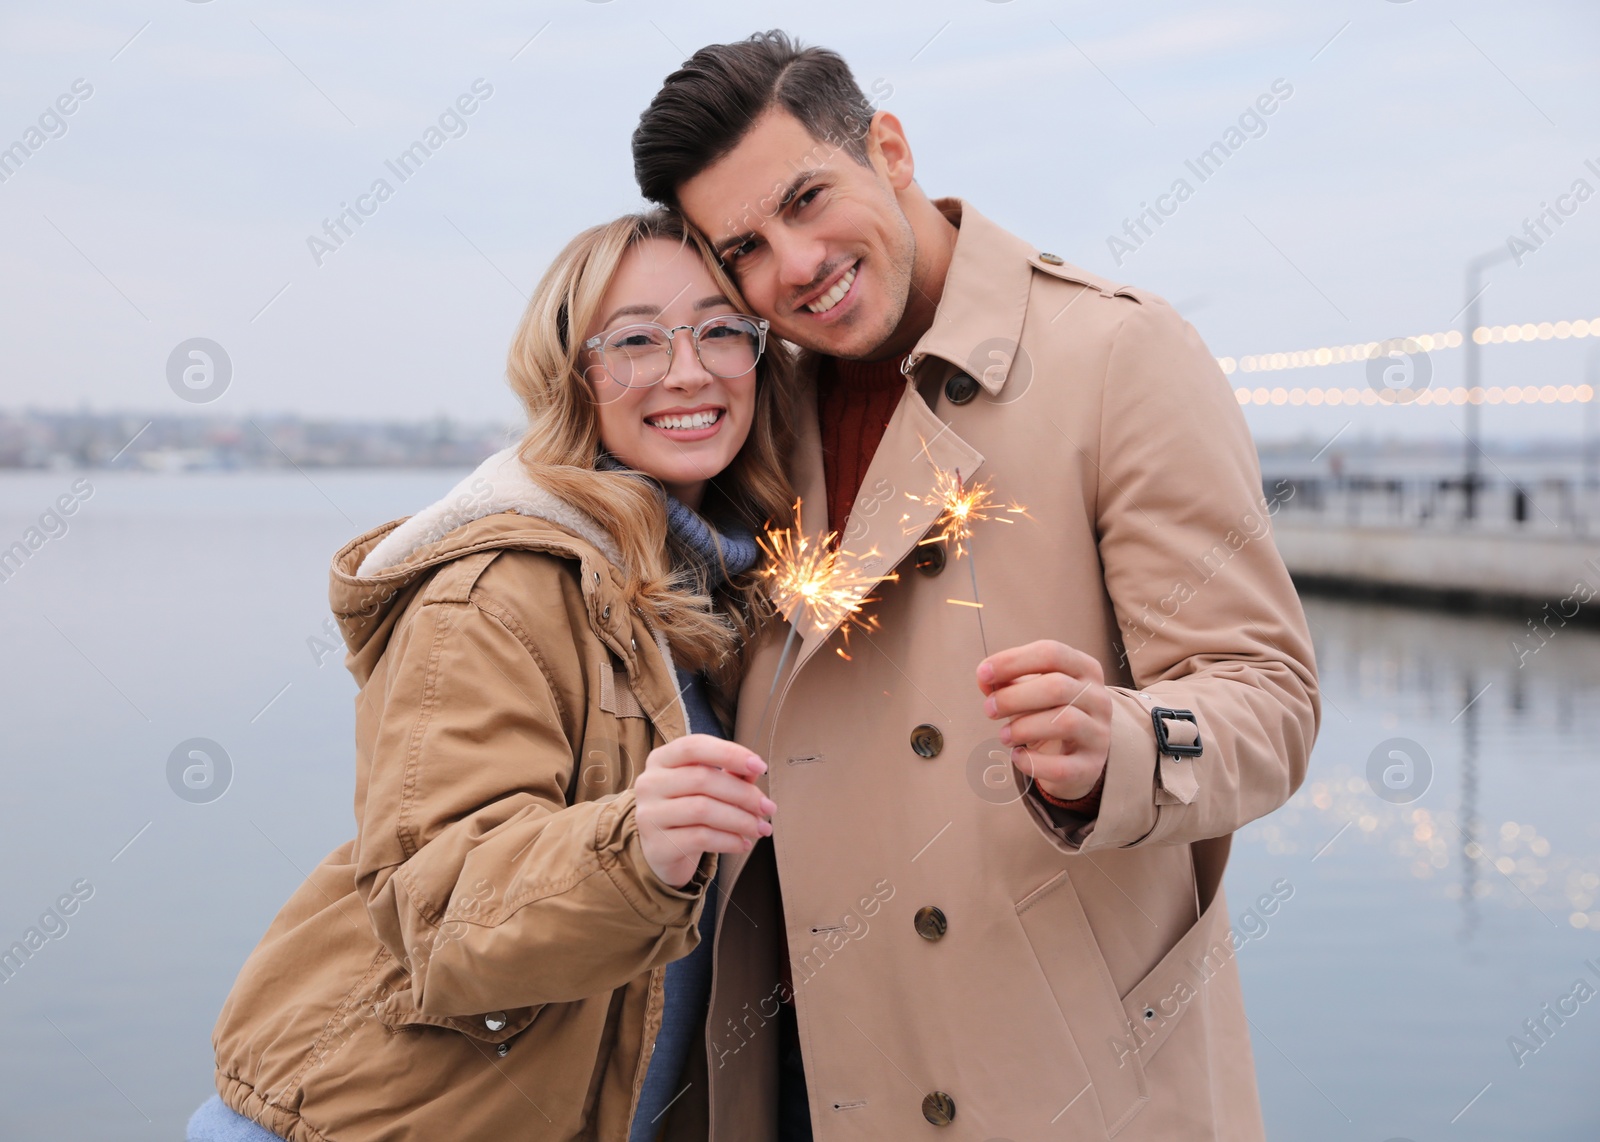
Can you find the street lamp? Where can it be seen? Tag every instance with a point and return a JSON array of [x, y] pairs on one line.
[[1474, 366], [1591, 442]]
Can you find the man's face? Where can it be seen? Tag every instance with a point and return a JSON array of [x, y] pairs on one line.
[[817, 241]]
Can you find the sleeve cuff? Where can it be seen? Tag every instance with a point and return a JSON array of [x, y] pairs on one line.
[[1087, 806], [623, 860]]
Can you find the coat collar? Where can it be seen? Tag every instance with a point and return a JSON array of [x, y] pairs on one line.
[[976, 329], [978, 323]]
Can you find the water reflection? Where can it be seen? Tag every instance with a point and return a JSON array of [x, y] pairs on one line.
[[1447, 849], [1507, 732], [1469, 805]]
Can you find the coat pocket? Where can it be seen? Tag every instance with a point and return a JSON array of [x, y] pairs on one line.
[[1158, 1002], [1059, 933]]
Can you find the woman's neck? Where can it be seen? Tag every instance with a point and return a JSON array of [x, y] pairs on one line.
[[689, 495]]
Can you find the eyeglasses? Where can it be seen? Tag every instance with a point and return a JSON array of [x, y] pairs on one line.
[[638, 356]]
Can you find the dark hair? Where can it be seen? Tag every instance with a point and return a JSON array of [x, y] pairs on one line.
[[705, 107]]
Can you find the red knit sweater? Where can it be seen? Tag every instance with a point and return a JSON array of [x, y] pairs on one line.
[[855, 400]]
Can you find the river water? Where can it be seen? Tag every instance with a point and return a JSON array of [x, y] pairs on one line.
[[1439, 897]]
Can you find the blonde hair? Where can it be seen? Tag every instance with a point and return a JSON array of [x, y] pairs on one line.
[[707, 632]]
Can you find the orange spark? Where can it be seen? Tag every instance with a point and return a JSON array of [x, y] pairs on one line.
[[960, 506], [826, 582]]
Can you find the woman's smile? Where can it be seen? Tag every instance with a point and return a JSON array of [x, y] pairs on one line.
[[687, 425]]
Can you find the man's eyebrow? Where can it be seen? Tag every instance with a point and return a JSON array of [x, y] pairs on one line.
[[720, 249], [794, 186], [784, 198]]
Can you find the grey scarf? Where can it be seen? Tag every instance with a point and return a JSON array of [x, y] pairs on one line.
[[719, 551]]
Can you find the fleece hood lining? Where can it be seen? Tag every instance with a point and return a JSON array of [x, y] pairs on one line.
[[500, 484]]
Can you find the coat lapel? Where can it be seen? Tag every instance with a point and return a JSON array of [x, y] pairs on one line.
[[895, 508], [884, 527]]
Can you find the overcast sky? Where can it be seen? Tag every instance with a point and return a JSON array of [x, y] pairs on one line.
[[176, 199]]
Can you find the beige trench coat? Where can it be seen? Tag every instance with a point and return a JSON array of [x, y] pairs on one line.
[[1084, 984]]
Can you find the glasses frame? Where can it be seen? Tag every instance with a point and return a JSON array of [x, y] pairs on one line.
[[597, 343]]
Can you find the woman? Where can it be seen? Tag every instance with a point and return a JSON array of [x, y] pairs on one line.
[[516, 943]]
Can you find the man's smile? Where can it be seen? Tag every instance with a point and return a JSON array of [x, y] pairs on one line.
[[835, 293]]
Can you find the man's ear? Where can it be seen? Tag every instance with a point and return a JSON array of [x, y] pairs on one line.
[[890, 150]]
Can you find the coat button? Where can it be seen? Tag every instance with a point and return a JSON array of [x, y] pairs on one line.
[[503, 1050], [495, 1020], [960, 389], [929, 559], [605, 612], [930, 922], [1052, 259], [939, 1108], [926, 740]]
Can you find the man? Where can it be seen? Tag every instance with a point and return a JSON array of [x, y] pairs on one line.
[[1000, 873]]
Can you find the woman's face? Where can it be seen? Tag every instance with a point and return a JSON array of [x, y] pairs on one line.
[[688, 427]]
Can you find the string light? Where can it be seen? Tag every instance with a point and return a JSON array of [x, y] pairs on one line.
[[1510, 394], [1423, 342], [1427, 342]]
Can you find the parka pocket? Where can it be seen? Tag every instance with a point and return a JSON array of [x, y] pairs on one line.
[[399, 1010], [1058, 931], [394, 1002]]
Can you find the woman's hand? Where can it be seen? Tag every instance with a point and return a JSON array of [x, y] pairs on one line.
[[698, 794]]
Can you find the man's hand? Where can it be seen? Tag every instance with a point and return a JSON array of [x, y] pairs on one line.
[[698, 794], [1057, 711]]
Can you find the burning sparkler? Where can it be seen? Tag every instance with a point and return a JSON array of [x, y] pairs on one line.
[[813, 581], [960, 506]]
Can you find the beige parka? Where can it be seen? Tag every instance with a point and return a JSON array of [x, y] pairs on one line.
[[485, 959]]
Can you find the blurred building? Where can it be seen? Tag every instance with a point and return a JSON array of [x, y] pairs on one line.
[[85, 439]]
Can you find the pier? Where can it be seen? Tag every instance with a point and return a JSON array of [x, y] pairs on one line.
[[1487, 543]]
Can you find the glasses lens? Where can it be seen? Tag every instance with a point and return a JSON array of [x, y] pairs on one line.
[[636, 355], [730, 346]]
